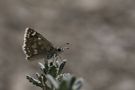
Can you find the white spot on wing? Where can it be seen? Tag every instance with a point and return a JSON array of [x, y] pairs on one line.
[[33, 34], [39, 38], [35, 51]]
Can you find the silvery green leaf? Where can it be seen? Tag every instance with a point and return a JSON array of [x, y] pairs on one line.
[[67, 76], [41, 66], [57, 63], [62, 64], [78, 84], [38, 76], [34, 81], [53, 71], [71, 83], [52, 81], [63, 85]]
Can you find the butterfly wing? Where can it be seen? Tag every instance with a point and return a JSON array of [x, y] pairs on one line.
[[35, 45]]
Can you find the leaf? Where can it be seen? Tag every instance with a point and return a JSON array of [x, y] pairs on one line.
[[52, 81], [34, 81], [63, 63], [41, 66], [63, 85], [71, 83], [38, 76], [53, 71], [78, 84]]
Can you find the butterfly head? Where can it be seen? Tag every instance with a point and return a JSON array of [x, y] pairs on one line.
[[59, 50], [63, 47]]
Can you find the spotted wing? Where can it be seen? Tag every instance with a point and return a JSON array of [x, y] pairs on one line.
[[35, 45]]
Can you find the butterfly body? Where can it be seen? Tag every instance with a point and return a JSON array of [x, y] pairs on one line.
[[35, 46]]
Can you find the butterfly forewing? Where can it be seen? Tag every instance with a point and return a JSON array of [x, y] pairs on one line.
[[35, 45]]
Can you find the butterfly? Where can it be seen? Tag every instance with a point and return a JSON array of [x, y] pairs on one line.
[[35, 46]]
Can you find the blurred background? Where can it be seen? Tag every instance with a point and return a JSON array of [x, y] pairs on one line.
[[101, 33]]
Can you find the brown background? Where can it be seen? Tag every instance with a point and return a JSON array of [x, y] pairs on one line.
[[102, 33]]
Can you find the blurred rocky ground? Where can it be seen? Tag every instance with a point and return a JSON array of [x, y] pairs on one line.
[[101, 33]]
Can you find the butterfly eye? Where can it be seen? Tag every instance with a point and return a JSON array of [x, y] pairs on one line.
[[59, 49]]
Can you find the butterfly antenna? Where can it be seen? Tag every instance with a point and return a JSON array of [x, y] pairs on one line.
[[65, 46]]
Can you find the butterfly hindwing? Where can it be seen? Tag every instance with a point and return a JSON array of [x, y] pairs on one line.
[[35, 45]]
